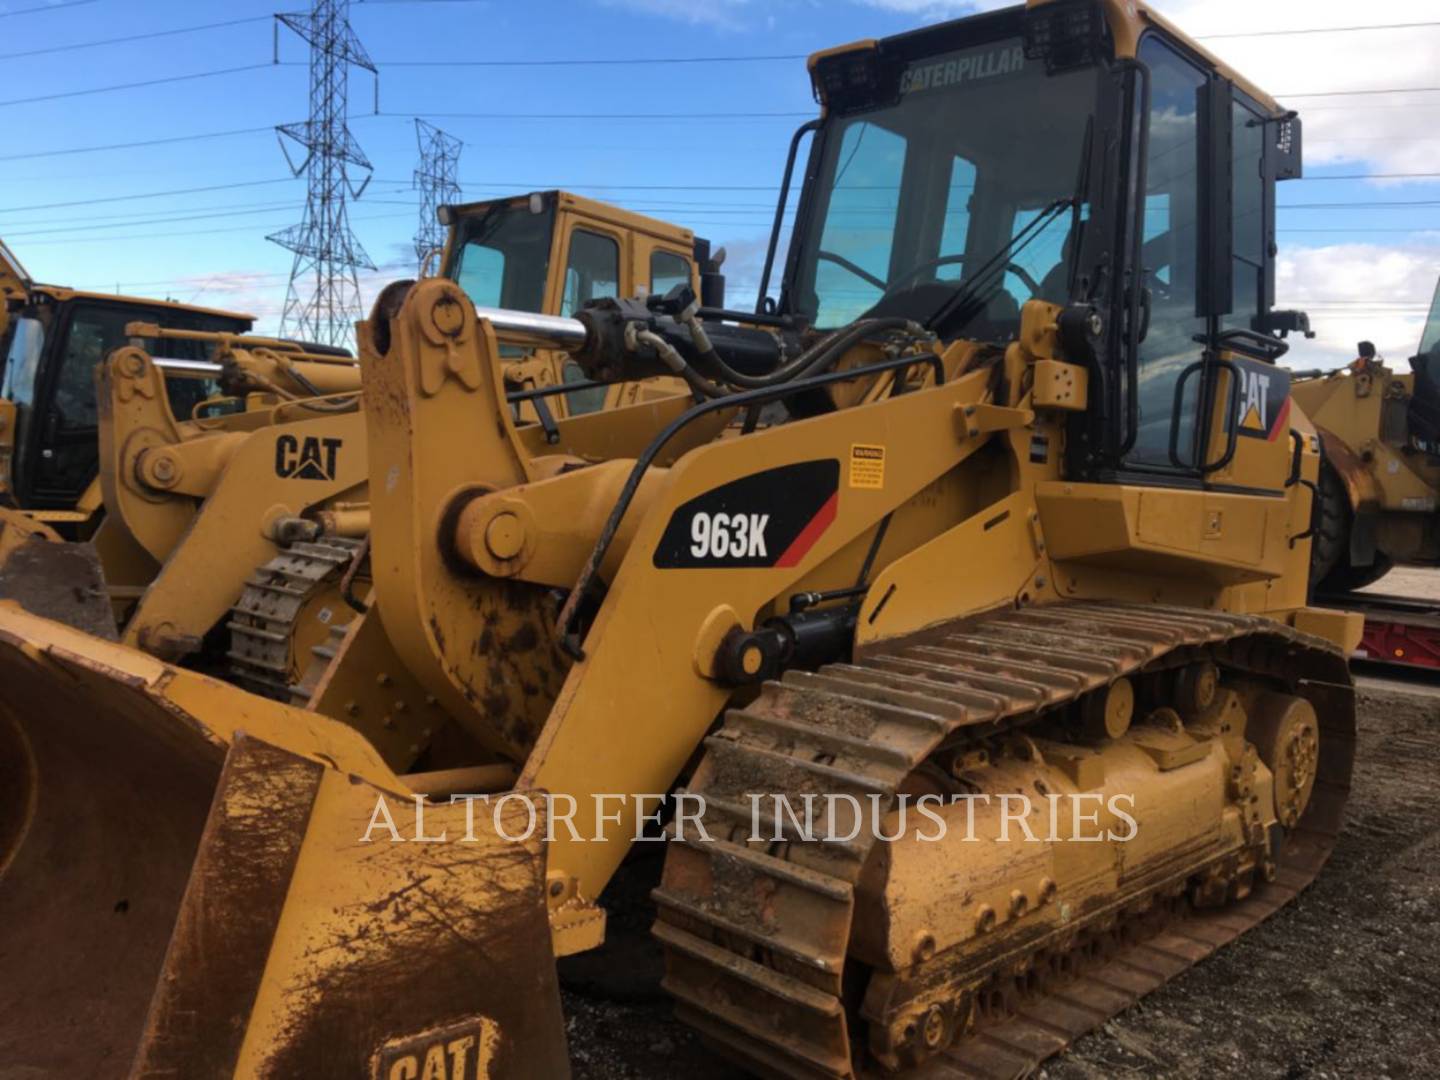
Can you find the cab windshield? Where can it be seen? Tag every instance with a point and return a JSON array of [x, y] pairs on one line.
[[1430, 339], [22, 361], [501, 256], [913, 199]]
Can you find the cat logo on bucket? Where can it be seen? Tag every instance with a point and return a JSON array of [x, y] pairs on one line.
[[460, 1051], [310, 458]]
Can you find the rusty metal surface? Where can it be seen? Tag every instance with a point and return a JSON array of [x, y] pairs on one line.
[[1361, 489], [756, 939], [60, 581]]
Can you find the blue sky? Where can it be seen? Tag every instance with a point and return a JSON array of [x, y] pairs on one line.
[[1362, 269]]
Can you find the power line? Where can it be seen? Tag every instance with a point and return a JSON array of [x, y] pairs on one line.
[[149, 195], [609, 187], [184, 232], [269, 208], [1317, 30], [1398, 204], [601, 116], [1368, 232], [134, 85], [44, 7], [134, 37], [138, 143], [635, 61], [1377, 176], [1372, 90]]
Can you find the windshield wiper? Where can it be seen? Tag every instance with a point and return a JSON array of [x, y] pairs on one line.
[[971, 296]]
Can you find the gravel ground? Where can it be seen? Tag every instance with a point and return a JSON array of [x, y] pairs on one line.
[[1345, 982]]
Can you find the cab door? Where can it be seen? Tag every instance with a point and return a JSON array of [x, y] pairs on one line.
[[1212, 403], [593, 263], [60, 454]]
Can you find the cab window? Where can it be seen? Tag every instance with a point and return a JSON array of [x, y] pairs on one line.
[[592, 272], [482, 273], [1248, 135], [1170, 254], [93, 333], [667, 270], [859, 236], [22, 364]]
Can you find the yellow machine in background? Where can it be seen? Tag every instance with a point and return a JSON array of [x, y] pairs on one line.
[[1380, 484], [552, 252], [966, 511], [51, 340], [235, 533]]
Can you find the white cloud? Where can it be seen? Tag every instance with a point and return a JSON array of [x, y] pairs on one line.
[[1387, 132], [1357, 292]]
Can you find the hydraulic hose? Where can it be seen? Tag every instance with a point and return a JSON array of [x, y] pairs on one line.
[[676, 363], [812, 360]]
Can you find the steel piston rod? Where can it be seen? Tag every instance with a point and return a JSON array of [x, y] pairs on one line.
[[536, 331]]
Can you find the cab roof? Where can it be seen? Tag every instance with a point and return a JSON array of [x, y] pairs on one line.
[[1127, 19], [593, 208], [60, 293]]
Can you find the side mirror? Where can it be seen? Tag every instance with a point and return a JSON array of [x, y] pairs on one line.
[[1285, 323]]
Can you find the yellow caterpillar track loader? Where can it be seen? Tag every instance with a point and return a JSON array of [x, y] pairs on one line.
[[1001, 509], [1380, 484]]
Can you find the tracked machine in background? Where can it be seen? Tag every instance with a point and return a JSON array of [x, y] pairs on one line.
[[1003, 493], [51, 339], [236, 504], [1380, 492]]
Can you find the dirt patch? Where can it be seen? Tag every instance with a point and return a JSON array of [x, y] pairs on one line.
[[1345, 982]]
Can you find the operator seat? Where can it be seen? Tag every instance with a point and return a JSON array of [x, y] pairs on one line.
[[1055, 286]]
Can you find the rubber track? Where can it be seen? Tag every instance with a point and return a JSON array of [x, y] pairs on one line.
[[755, 939]]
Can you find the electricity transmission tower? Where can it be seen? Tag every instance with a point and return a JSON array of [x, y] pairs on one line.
[[438, 185], [323, 300]]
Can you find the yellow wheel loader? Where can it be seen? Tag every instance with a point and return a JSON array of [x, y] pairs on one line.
[[959, 635], [1380, 484]]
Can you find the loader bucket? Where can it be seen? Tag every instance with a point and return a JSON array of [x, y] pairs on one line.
[[49, 577], [186, 888]]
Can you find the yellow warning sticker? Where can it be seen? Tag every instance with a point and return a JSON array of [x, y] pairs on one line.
[[867, 466]]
